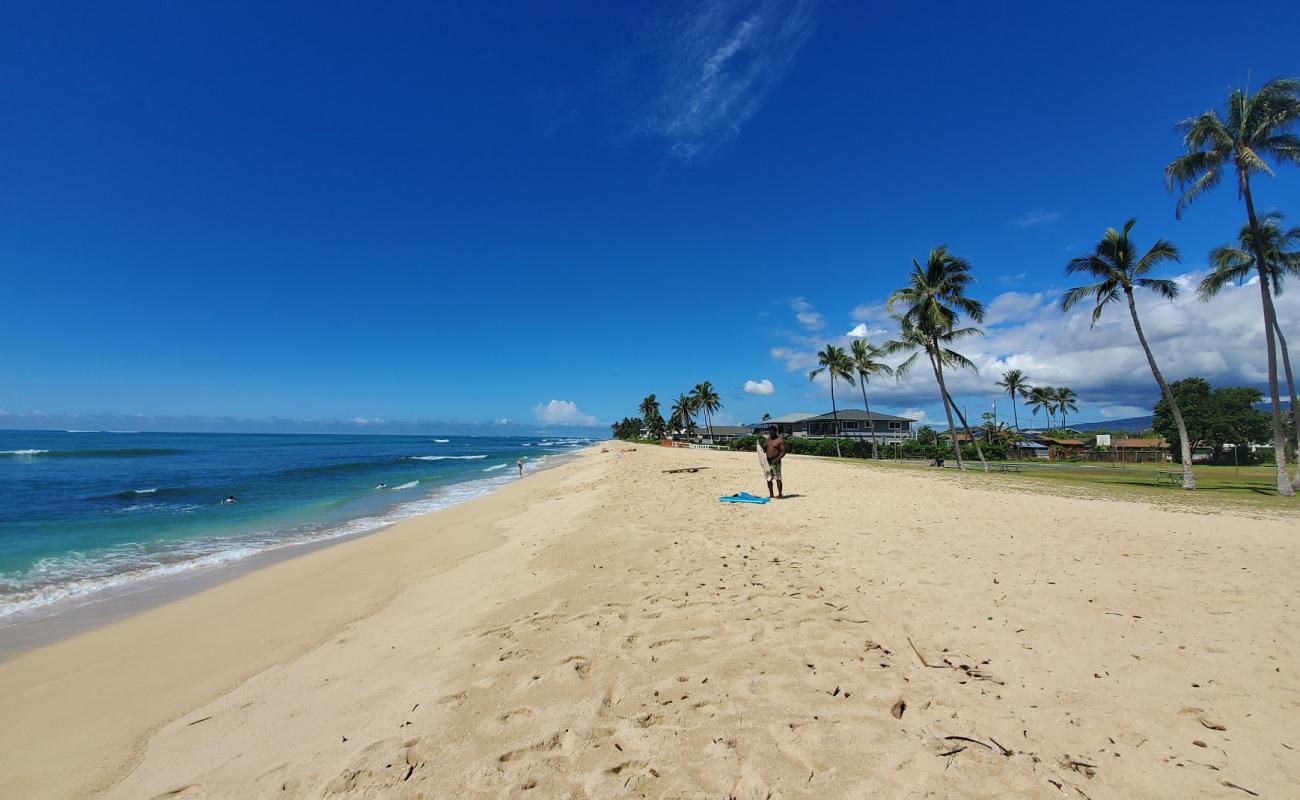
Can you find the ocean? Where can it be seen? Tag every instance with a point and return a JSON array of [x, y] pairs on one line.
[[88, 514]]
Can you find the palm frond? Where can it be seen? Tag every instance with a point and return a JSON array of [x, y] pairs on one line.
[[1165, 288]]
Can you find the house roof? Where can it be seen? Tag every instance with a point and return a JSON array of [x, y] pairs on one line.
[[1063, 442], [857, 414], [1028, 445], [1140, 444]]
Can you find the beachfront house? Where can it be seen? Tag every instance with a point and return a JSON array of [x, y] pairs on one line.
[[785, 424], [1141, 451], [721, 433], [1063, 449], [852, 423]]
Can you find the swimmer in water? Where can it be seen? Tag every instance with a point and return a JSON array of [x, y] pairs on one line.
[[520, 464], [229, 500], [382, 486]]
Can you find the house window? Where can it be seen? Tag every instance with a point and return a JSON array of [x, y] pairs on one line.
[[894, 425], [850, 424]]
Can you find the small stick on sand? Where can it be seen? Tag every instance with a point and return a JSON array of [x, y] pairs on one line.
[[1232, 785], [197, 721], [966, 739]]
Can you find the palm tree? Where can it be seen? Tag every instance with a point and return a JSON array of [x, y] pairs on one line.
[[935, 298], [1015, 384], [836, 364], [865, 364], [1256, 126], [1118, 270], [654, 420], [680, 416], [1236, 264], [1042, 398], [912, 339], [708, 401], [1065, 401]]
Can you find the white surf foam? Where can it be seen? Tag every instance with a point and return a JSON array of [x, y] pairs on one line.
[[445, 458], [410, 485], [495, 468]]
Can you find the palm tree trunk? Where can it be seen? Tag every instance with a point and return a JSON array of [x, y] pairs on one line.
[[836, 414], [708, 420], [1284, 486], [947, 409], [1290, 386], [979, 451], [1014, 413], [1189, 478], [875, 450]]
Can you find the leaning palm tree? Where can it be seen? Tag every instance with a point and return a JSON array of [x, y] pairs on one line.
[[1237, 264], [836, 364], [937, 351], [1119, 270], [707, 401], [1254, 127], [1016, 385], [866, 363], [933, 300], [1042, 398], [681, 414], [1066, 400]]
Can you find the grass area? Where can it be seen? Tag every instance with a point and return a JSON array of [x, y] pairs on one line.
[[1226, 488]]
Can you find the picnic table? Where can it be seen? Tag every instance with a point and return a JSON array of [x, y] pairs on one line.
[[1170, 477], [1007, 468]]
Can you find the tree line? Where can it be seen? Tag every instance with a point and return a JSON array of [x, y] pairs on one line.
[[934, 313]]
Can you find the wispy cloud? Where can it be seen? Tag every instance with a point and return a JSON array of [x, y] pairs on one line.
[[1030, 218], [807, 315], [716, 65]]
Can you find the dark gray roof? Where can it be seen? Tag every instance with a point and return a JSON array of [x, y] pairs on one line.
[[860, 415], [722, 430]]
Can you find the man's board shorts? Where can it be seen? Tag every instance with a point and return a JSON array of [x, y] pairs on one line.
[[774, 469]]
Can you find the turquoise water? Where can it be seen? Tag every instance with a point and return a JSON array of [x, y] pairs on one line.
[[84, 514]]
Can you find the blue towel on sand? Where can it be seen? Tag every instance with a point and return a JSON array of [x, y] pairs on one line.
[[743, 497]]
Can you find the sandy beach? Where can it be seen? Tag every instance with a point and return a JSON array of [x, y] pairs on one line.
[[604, 629]]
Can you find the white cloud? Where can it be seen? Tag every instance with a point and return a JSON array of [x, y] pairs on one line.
[[1222, 341], [716, 66], [807, 315], [859, 331], [1029, 218], [918, 416], [562, 412], [762, 387], [364, 421]]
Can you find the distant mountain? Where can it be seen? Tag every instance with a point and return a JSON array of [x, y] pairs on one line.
[[1126, 425]]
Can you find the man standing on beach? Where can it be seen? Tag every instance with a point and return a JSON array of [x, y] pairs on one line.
[[520, 464], [774, 447]]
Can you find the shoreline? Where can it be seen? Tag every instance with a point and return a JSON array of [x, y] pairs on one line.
[[608, 628], [49, 624]]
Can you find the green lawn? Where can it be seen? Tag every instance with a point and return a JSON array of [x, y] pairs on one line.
[[1247, 488]]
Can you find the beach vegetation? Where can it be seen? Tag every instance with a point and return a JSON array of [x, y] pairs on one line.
[[866, 363], [1253, 130], [928, 310], [1016, 384], [707, 402], [836, 364], [1119, 271]]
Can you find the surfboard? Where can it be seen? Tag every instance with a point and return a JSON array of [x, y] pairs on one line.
[[762, 461]]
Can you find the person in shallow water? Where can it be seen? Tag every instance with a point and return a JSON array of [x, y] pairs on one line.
[[520, 464], [229, 500], [774, 448]]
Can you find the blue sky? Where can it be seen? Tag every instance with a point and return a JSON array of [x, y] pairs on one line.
[[468, 211]]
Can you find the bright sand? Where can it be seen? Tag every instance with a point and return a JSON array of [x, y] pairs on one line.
[[604, 629]]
